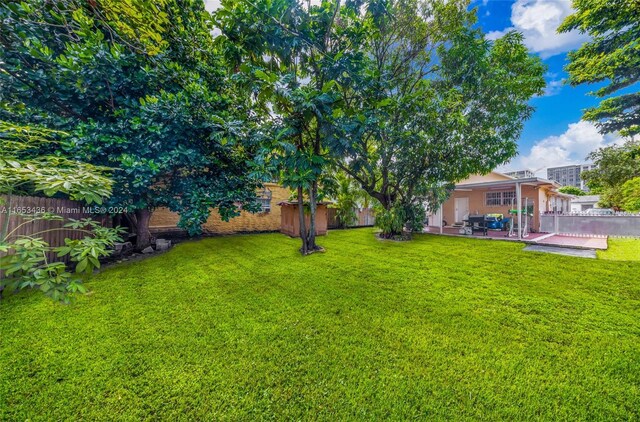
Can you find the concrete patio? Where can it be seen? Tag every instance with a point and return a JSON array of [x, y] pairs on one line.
[[549, 239]]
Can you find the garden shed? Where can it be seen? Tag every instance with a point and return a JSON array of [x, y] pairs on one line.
[[290, 219]]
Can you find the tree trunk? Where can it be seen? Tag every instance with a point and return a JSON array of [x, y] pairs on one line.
[[311, 242], [303, 226], [143, 235]]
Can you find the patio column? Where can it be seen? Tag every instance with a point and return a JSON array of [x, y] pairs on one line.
[[440, 213], [518, 208]]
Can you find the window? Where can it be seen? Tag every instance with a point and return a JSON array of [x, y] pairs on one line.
[[265, 204], [496, 199], [493, 199], [264, 199], [508, 198]]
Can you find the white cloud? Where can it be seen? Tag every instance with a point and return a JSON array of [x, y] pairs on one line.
[[553, 87], [211, 5], [571, 147], [539, 20]]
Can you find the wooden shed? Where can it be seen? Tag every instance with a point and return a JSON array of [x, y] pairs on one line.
[[290, 219]]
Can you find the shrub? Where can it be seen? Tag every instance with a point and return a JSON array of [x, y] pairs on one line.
[[391, 222], [631, 195], [25, 264]]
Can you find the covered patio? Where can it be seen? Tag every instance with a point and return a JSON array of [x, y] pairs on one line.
[[520, 200], [491, 234]]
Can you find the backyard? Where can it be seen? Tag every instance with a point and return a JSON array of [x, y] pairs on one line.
[[244, 327]]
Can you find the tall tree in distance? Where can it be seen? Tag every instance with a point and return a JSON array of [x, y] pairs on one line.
[[613, 55]]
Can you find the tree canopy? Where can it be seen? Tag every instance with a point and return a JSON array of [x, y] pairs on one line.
[[612, 55], [631, 195], [405, 96], [141, 88], [296, 56], [572, 190], [435, 103], [615, 165]]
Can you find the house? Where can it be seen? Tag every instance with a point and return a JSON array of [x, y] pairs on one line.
[[163, 221], [583, 203], [497, 193]]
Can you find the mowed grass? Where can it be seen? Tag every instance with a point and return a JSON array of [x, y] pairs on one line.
[[621, 250], [243, 328]]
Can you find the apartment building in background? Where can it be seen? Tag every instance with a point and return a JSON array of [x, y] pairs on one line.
[[569, 175]]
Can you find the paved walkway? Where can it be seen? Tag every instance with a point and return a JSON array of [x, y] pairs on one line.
[[546, 239], [575, 242], [582, 253]]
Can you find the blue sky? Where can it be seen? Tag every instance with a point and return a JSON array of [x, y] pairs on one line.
[[555, 135]]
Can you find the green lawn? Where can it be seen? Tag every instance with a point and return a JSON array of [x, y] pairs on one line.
[[243, 328], [622, 250]]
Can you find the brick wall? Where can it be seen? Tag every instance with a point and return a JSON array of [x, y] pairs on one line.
[[164, 220]]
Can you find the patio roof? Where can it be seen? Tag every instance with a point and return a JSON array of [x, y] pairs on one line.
[[529, 181], [586, 199]]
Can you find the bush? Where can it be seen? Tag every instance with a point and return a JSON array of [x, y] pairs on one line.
[[631, 195], [414, 215], [391, 222], [25, 264]]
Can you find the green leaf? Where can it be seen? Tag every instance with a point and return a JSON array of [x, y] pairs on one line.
[[82, 265]]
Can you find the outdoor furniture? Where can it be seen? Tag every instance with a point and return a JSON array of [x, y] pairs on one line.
[[497, 222], [477, 223]]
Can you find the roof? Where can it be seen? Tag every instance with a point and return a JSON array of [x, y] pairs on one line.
[[586, 199], [529, 181], [489, 177]]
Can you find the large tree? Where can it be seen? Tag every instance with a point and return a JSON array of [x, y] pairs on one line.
[[140, 89], [436, 103], [296, 56], [611, 55], [404, 95]]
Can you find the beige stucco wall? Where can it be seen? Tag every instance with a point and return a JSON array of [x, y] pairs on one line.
[[163, 219]]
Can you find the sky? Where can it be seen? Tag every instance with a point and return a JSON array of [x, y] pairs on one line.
[[555, 135]]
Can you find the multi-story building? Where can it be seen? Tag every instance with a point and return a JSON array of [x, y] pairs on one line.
[[520, 174], [569, 175]]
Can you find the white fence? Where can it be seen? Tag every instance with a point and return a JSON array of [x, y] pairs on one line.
[[618, 224]]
